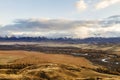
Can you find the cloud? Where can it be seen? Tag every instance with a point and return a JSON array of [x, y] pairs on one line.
[[36, 27], [81, 5], [106, 3], [60, 28]]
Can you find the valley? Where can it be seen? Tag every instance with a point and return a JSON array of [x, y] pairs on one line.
[[22, 61]]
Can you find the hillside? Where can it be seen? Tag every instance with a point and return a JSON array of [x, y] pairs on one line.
[[26, 65]]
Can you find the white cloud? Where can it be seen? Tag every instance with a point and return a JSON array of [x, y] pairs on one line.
[[81, 5], [106, 3], [81, 32], [59, 28]]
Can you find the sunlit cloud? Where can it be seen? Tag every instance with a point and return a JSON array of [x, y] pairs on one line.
[[106, 3], [81, 5]]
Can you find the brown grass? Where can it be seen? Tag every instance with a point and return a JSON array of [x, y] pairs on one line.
[[47, 66], [37, 58], [9, 56]]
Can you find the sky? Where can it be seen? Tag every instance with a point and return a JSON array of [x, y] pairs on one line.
[[22, 17], [11, 10]]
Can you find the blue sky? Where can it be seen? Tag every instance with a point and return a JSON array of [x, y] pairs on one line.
[[11, 10]]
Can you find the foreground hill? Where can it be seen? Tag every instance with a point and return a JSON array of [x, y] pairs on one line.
[[26, 65]]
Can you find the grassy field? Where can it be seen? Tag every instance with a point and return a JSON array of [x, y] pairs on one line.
[[26, 65]]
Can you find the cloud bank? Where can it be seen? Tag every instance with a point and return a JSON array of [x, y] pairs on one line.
[[63, 28]]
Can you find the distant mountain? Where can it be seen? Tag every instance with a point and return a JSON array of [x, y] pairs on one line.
[[91, 40]]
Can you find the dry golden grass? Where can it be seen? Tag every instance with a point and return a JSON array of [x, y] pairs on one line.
[[37, 58], [48, 66], [9, 56], [26, 57]]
